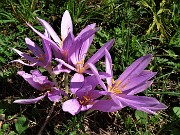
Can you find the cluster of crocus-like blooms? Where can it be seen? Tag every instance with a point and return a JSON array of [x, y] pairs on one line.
[[70, 52]]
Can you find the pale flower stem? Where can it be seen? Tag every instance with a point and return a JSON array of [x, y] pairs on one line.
[[49, 69], [47, 119], [54, 104], [54, 79], [66, 83], [89, 111]]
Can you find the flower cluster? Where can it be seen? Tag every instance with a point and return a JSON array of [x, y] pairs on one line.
[[69, 52]]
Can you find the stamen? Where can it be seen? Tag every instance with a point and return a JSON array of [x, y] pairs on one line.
[[115, 87], [118, 82], [80, 66], [86, 100], [61, 42], [113, 81]]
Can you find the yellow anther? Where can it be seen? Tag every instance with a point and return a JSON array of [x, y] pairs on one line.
[[61, 42], [113, 81], [118, 82], [115, 87], [85, 100], [80, 66], [110, 87], [81, 62]]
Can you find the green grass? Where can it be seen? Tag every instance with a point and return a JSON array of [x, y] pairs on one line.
[[134, 27]]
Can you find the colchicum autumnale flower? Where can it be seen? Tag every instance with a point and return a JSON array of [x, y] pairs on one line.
[[85, 98], [121, 92], [78, 59], [41, 83], [70, 51], [43, 58], [80, 67], [62, 48]]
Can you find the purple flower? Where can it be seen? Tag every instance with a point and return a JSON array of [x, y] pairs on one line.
[[41, 83], [62, 48], [78, 57], [66, 28], [80, 67], [71, 46], [59, 46], [121, 92], [42, 58], [85, 98]]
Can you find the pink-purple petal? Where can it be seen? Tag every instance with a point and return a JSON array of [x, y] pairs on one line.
[[101, 52], [46, 34], [29, 79], [27, 57], [36, 50], [83, 91], [77, 82], [157, 107], [74, 53], [84, 48], [35, 72], [20, 61], [66, 24], [50, 30], [139, 100], [87, 28], [135, 68], [54, 47], [65, 64], [87, 107], [89, 34], [75, 50], [29, 101], [81, 46], [94, 94], [120, 103], [72, 106], [106, 106], [108, 62], [138, 89], [86, 44], [91, 80], [38, 82], [59, 69], [142, 103], [47, 51], [60, 91], [95, 72], [68, 42], [137, 80], [54, 95]]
